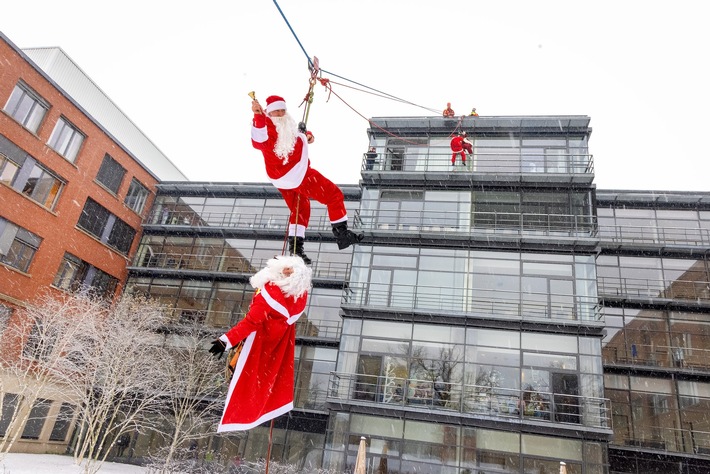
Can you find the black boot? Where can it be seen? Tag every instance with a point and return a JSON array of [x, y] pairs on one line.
[[344, 237], [295, 247]]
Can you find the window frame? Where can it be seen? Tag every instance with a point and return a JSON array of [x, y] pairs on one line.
[[106, 227], [74, 274], [136, 196], [67, 144], [30, 120], [108, 174], [22, 248]]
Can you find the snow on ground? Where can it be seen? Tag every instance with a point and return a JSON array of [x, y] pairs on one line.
[[19, 463]]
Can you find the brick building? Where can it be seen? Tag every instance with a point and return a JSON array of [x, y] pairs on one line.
[[72, 196]]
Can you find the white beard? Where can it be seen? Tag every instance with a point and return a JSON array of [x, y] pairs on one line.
[[294, 285], [287, 130]]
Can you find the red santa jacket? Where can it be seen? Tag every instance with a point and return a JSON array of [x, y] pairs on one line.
[[283, 176], [457, 143], [262, 385]]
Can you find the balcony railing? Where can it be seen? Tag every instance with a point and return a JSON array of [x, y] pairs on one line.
[[697, 291], [482, 400], [656, 355], [478, 222], [513, 160], [628, 234], [230, 264], [211, 318], [476, 302], [411, 221], [233, 219], [660, 438]]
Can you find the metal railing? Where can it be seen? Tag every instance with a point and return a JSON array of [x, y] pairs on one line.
[[480, 400], [230, 264], [230, 219], [479, 222], [210, 318], [657, 355], [475, 302], [628, 234], [509, 160], [410, 221], [648, 288], [661, 438]]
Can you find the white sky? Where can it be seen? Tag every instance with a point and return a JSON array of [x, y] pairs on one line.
[[182, 70]]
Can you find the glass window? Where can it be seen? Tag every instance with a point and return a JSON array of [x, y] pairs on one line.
[[26, 106], [74, 274], [552, 447], [547, 342], [111, 174], [9, 405], [71, 273], [99, 222], [103, 283], [41, 185], [62, 423], [137, 196], [17, 245], [66, 139], [8, 170], [94, 218], [35, 422], [121, 236]]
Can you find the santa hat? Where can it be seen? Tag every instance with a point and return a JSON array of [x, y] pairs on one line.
[[294, 285], [274, 102]]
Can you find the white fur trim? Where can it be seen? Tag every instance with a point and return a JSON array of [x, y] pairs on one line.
[[241, 361], [342, 219], [296, 229], [259, 135], [294, 177], [225, 339], [277, 105], [265, 417], [275, 305]]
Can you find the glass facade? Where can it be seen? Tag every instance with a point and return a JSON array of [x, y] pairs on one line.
[[654, 282], [504, 317]]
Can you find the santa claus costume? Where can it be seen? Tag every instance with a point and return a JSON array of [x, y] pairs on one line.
[[288, 167], [457, 145], [262, 385]]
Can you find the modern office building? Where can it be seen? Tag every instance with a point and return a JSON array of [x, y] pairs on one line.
[[654, 284], [463, 335], [72, 198]]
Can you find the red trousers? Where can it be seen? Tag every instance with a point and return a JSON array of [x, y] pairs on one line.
[[463, 156], [318, 187]]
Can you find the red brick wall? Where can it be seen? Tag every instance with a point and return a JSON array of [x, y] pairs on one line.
[[58, 227]]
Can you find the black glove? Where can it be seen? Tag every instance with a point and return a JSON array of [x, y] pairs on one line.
[[218, 348]]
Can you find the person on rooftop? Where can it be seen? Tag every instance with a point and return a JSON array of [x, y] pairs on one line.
[[448, 111]]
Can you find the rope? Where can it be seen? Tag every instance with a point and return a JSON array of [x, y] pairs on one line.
[[268, 452], [326, 83], [310, 62]]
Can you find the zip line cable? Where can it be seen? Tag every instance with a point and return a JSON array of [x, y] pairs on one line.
[[310, 62], [293, 33]]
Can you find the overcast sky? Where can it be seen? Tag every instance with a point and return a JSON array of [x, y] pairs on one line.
[[182, 70]]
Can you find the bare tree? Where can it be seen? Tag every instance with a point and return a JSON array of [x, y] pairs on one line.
[[38, 353], [106, 358], [194, 397], [124, 383]]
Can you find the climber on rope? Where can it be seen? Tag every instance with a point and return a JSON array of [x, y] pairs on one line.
[[275, 133]]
